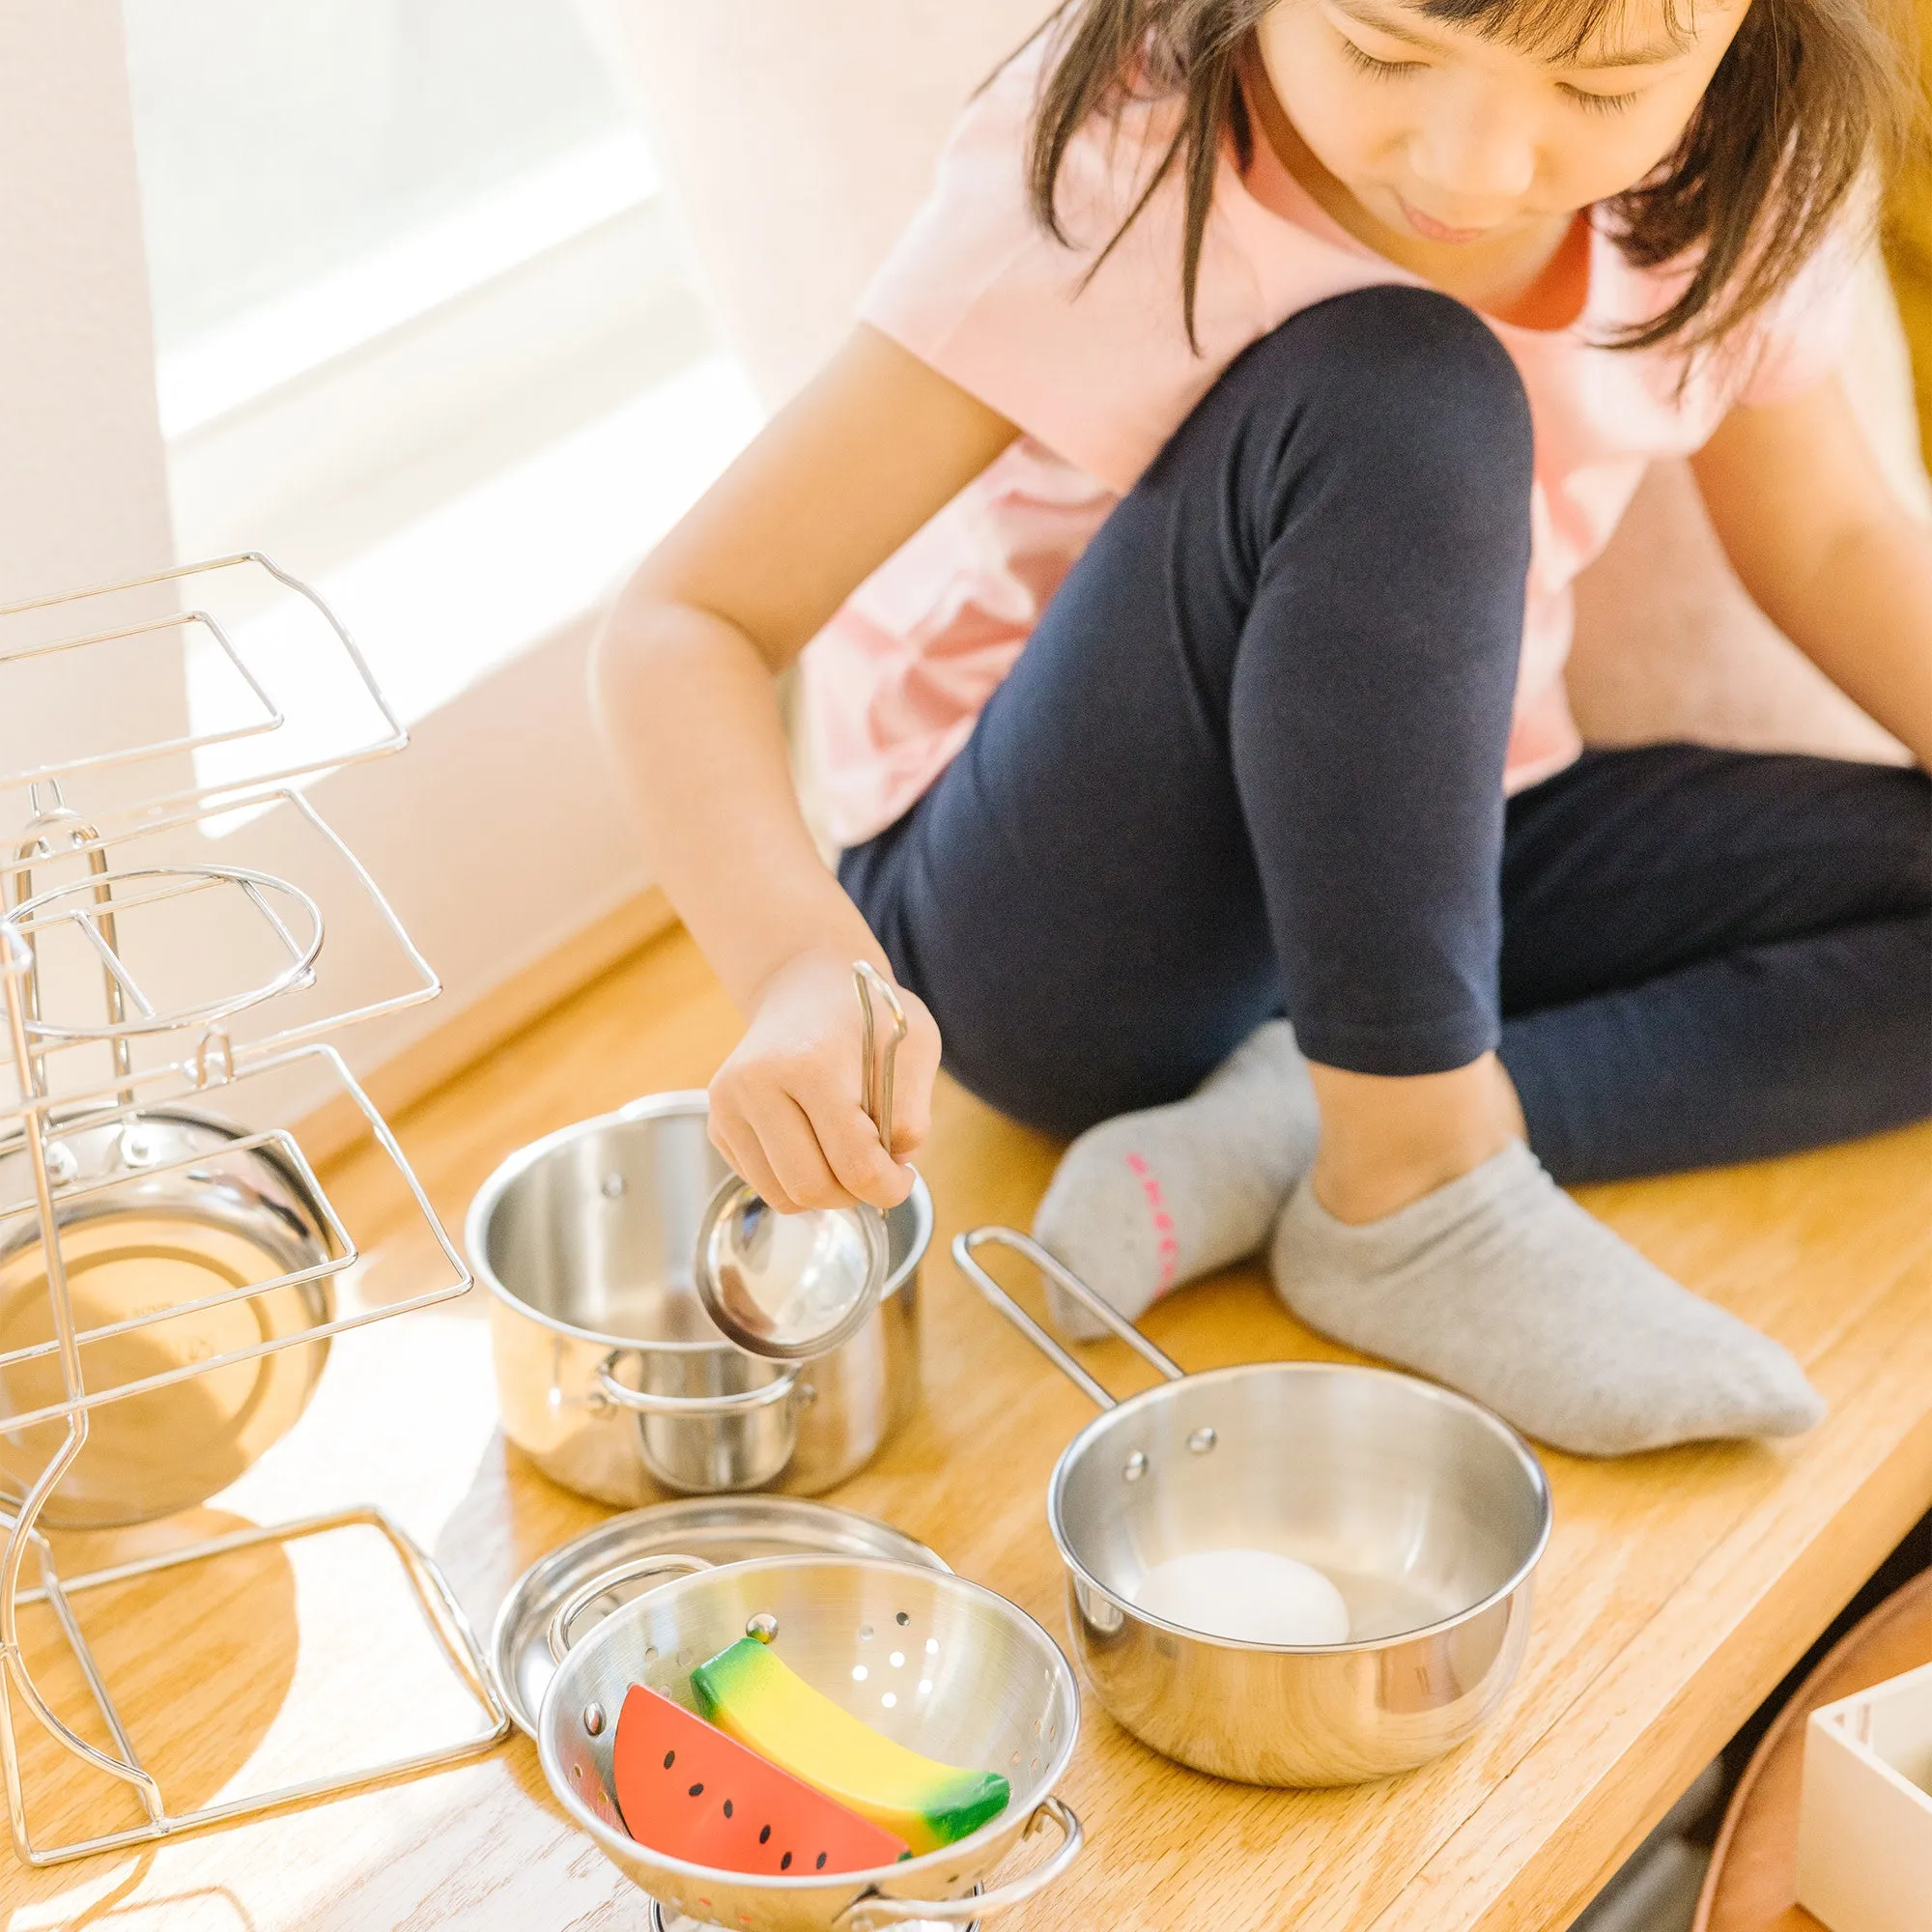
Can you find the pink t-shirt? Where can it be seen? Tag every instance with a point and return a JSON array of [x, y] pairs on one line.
[[1098, 378]]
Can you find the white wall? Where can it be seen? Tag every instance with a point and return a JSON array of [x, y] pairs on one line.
[[84, 479], [499, 834], [798, 136]]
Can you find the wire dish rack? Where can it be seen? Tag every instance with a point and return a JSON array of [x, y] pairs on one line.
[[144, 976]]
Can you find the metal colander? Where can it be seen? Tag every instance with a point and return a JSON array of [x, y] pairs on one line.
[[939, 1664]]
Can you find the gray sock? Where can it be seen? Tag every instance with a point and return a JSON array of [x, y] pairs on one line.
[[1145, 1201], [1503, 1287]]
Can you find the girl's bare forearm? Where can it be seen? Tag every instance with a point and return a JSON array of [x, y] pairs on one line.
[[691, 711], [1867, 625]]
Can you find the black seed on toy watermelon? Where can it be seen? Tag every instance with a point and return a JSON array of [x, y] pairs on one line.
[[695, 1791], [785, 1863], [670, 1757], [765, 1836], [727, 1808], [821, 1861]]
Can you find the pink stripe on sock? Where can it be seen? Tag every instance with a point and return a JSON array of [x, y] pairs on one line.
[[1168, 1248]]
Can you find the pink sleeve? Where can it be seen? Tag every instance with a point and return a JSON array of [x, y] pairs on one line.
[[1804, 335], [1097, 371]]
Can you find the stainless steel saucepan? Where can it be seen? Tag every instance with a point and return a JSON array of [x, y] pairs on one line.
[[611, 1376], [1427, 1513]]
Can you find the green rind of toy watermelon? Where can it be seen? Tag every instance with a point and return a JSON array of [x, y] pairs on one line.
[[750, 1692]]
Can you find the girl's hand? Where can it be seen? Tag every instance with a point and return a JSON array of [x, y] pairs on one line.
[[786, 1108]]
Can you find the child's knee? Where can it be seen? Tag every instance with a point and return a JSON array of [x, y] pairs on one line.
[[1408, 374]]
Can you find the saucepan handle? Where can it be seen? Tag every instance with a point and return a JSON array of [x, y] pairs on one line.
[[762, 1397], [866, 1914], [578, 1601], [1065, 1278]]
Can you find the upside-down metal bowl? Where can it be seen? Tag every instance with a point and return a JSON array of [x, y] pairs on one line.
[[939, 1664], [1427, 1512], [168, 1206]]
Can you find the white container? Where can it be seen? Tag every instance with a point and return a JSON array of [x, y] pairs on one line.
[[1864, 1819]]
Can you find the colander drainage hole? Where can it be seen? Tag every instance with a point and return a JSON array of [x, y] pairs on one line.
[[865, 1633], [904, 1618]]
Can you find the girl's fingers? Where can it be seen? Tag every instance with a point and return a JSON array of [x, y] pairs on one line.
[[851, 1145], [732, 1136], [916, 1069], [790, 1143]]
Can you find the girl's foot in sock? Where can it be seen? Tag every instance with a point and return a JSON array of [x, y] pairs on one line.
[[1503, 1287], [1148, 1201]]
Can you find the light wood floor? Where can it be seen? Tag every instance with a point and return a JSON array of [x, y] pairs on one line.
[[1677, 1589]]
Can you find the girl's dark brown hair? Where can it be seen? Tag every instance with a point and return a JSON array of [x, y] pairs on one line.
[[1808, 96]]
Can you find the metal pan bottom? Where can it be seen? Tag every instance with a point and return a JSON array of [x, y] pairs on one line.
[[721, 1530], [667, 1919]]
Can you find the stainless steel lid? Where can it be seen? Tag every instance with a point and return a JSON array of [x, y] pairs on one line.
[[721, 1530], [789, 1287]]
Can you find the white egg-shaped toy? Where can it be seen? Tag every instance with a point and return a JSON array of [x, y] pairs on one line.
[[1248, 1596]]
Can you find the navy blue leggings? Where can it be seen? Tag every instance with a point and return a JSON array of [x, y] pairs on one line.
[[1251, 762]]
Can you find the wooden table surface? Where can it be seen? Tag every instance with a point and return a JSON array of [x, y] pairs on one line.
[[1677, 1589]]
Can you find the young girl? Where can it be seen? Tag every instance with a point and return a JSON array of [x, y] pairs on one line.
[[1187, 532]]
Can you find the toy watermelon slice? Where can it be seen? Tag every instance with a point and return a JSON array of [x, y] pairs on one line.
[[687, 1790], [753, 1695]]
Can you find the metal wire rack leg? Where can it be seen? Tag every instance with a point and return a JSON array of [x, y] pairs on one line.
[[441, 1612]]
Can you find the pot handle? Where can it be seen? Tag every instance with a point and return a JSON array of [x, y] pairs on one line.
[[745, 1401], [579, 1600], [866, 1914], [1065, 1278]]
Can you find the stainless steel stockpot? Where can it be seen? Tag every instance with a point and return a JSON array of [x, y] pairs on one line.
[[611, 1376], [1427, 1512]]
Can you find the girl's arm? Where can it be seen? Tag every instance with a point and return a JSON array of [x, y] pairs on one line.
[[859, 459], [1828, 552]]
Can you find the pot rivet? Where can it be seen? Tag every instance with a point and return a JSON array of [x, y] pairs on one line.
[[764, 1627], [1136, 1466], [1202, 1441], [593, 1719], [613, 1187]]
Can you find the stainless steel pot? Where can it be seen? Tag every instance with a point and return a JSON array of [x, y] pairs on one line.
[[939, 1664], [168, 1206], [611, 1376], [1426, 1511]]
